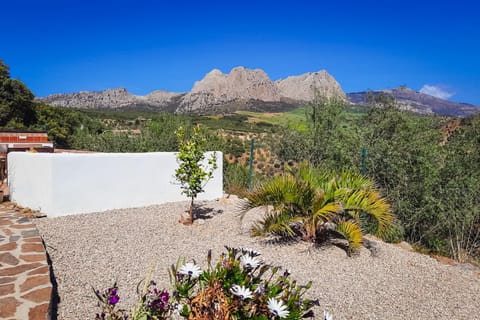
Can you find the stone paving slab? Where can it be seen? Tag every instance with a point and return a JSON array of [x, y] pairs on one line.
[[25, 286]]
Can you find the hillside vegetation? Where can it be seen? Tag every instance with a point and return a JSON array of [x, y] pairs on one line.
[[427, 166]]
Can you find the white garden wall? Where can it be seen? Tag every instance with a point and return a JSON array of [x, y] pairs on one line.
[[60, 184]]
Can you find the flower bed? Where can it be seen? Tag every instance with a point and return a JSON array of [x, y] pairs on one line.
[[238, 286]]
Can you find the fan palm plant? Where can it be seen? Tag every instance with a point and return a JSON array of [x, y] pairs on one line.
[[312, 203]]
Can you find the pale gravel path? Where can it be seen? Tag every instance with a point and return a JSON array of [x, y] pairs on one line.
[[95, 249]]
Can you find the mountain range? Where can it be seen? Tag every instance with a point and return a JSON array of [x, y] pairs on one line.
[[250, 89], [418, 102]]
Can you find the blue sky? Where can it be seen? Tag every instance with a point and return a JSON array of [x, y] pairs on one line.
[[67, 46]]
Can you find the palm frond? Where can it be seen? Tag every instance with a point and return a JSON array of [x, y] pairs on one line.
[[369, 202], [354, 180], [279, 223], [274, 192], [352, 232], [327, 211]]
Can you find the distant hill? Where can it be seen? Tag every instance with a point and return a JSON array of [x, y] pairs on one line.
[[241, 89], [411, 100]]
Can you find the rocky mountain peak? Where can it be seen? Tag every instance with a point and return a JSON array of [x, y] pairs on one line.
[[240, 83], [219, 89], [304, 87]]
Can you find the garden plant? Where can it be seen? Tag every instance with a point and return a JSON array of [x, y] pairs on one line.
[[239, 285], [315, 204], [191, 173]]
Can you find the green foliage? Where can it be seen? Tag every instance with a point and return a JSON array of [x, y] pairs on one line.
[[235, 178], [17, 109], [63, 124], [157, 135], [394, 233], [312, 202], [404, 157], [459, 203], [331, 138], [191, 173], [433, 186]]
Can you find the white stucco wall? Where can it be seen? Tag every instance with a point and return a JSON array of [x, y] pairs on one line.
[[69, 183]]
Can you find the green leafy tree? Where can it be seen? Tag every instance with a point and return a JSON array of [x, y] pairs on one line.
[[191, 173], [405, 159], [458, 192], [17, 108], [62, 124]]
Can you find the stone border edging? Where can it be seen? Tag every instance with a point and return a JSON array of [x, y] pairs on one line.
[[25, 285]]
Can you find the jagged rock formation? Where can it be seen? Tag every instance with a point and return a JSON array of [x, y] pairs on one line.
[[240, 83], [411, 100], [241, 89], [304, 87], [218, 92], [118, 98]]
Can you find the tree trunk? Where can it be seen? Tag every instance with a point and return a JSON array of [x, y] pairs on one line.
[[189, 220], [191, 211]]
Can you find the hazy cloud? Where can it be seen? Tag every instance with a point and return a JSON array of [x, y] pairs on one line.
[[436, 91]]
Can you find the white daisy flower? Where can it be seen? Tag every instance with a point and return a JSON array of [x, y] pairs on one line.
[[190, 269], [277, 308], [327, 315], [250, 262], [241, 291], [251, 252]]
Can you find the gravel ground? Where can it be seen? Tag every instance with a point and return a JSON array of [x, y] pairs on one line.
[[96, 249]]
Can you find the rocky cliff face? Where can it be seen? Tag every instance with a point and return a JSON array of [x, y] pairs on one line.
[[304, 87], [217, 91], [241, 89], [246, 89], [240, 83], [118, 98]]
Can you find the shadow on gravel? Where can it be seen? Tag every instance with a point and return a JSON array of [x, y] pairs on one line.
[[204, 213], [55, 298]]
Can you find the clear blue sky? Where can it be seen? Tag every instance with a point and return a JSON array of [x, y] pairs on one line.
[[67, 46]]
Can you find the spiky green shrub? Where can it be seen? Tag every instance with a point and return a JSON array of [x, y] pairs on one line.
[[314, 204]]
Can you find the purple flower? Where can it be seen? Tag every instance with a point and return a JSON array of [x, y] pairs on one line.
[[112, 291], [157, 301], [113, 300], [164, 296]]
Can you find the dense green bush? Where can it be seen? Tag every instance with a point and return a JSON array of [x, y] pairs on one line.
[[157, 135], [235, 178], [431, 181], [331, 137]]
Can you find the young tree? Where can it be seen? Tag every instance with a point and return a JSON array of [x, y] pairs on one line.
[[191, 174]]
